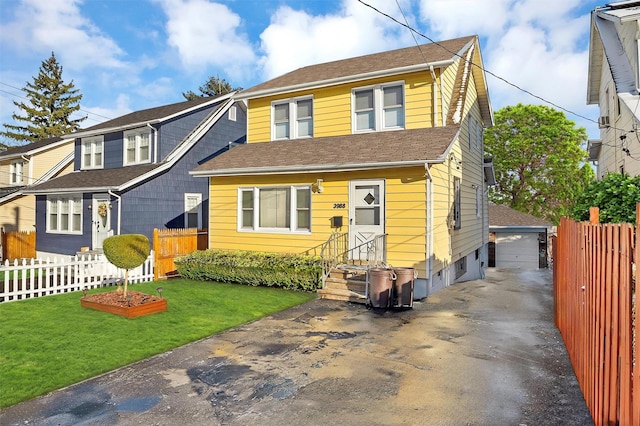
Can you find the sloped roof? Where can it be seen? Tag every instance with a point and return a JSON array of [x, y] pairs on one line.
[[33, 147], [503, 216], [94, 180], [348, 152], [150, 115], [390, 62]]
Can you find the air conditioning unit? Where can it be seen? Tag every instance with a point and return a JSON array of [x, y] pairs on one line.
[[603, 121]]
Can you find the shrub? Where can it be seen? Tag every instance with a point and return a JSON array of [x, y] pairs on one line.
[[126, 251], [290, 271]]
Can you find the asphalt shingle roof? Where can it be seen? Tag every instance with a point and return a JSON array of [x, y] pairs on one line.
[[102, 178], [149, 114], [29, 147], [500, 215], [339, 151], [390, 60]]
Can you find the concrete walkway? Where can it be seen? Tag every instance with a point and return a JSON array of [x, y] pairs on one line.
[[477, 353]]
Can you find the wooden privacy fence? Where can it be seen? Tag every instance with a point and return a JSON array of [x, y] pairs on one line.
[[44, 277], [18, 245], [595, 301], [171, 243]]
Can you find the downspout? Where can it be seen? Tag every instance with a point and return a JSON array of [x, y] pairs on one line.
[[435, 97], [155, 150], [27, 160], [429, 242], [119, 198]]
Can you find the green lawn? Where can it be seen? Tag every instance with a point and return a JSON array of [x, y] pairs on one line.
[[51, 342]]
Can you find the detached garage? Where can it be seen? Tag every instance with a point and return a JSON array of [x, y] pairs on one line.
[[516, 239]]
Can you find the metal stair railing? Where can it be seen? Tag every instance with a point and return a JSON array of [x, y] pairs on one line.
[[335, 252]]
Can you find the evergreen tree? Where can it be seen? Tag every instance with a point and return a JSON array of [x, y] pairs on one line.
[[213, 87], [51, 103]]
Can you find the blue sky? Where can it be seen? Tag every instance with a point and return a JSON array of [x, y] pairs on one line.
[[127, 55]]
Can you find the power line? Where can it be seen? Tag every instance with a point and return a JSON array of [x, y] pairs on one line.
[[22, 97], [413, 30]]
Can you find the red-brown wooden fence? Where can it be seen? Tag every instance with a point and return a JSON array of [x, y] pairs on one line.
[[18, 245], [171, 243], [595, 301]]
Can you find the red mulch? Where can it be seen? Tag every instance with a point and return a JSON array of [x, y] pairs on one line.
[[113, 298]]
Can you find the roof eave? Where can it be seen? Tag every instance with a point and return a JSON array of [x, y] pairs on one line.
[[318, 168], [344, 79]]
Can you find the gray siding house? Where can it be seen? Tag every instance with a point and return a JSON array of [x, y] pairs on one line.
[[131, 175]]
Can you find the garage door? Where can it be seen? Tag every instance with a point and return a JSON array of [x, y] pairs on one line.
[[517, 250]]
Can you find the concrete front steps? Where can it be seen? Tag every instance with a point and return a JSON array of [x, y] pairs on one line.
[[345, 284]]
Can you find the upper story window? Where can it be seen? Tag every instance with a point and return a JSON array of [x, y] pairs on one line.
[[16, 176], [292, 118], [137, 146], [378, 107], [275, 209], [92, 149], [64, 214]]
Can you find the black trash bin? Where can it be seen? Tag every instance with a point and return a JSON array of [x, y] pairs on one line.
[[380, 284], [403, 287]]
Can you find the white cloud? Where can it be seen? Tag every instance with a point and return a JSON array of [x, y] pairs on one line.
[[207, 34], [57, 25], [295, 38]]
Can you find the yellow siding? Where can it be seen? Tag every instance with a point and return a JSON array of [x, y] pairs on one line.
[[45, 161], [405, 213], [332, 106], [448, 80]]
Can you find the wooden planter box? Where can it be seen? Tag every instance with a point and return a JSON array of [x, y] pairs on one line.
[[130, 311]]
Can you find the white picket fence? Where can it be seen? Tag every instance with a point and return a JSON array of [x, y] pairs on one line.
[[30, 278]]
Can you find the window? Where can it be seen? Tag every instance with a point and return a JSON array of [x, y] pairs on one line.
[[137, 146], [233, 113], [92, 153], [292, 119], [283, 209], [461, 267], [64, 215], [378, 108], [457, 221], [192, 208], [16, 172]]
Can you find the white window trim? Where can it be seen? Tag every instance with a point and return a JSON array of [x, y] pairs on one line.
[[16, 177], [293, 225], [73, 200], [137, 133], [187, 196], [233, 113], [293, 117], [378, 107], [92, 141]]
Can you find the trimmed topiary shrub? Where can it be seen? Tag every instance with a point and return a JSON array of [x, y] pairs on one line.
[[126, 251], [290, 271]]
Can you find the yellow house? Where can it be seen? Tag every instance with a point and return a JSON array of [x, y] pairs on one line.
[[24, 166], [378, 154]]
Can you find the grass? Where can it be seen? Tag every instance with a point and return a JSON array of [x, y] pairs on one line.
[[51, 342]]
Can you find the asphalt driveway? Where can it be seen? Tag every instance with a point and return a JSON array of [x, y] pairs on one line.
[[483, 352]]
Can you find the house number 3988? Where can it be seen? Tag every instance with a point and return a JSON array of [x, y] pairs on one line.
[[339, 205]]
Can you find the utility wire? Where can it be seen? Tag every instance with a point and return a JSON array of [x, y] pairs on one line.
[[413, 30]]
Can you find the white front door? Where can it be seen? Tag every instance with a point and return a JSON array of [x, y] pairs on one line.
[[366, 214], [101, 220]]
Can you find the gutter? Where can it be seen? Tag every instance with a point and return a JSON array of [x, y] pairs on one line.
[[254, 171], [344, 79]]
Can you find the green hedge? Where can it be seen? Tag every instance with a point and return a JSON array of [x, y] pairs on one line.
[[290, 271]]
